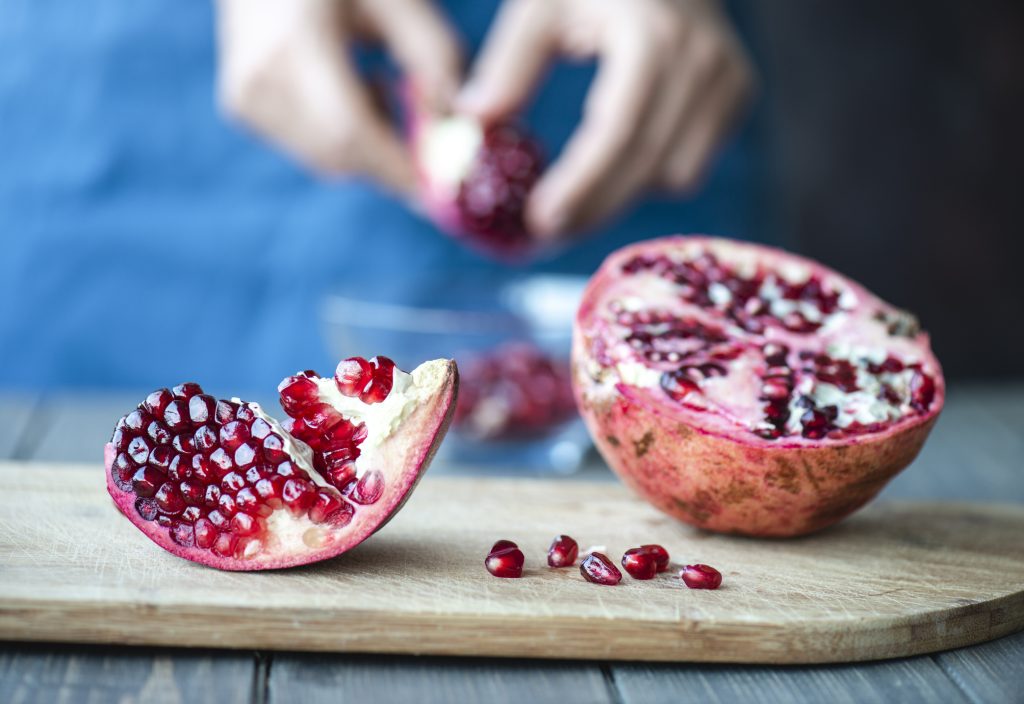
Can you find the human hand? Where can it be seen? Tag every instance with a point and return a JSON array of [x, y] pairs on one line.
[[285, 71], [672, 78]]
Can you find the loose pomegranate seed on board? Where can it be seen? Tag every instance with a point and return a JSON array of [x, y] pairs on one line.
[[701, 577]]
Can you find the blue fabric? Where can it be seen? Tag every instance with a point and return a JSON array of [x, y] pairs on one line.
[[146, 241]]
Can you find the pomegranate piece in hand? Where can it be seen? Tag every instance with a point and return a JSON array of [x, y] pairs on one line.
[[506, 562], [640, 564], [597, 568], [474, 180], [743, 389], [223, 484], [563, 552], [701, 577]]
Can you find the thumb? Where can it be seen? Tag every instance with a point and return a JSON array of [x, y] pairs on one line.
[[515, 54]]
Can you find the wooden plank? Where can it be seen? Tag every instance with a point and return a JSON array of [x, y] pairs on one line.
[[51, 674], [907, 681], [15, 415], [333, 678], [891, 581], [992, 672]]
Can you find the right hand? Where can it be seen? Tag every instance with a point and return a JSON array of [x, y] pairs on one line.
[[285, 72]]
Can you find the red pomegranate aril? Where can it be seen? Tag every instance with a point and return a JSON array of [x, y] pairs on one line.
[[139, 449], [562, 552], [201, 408], [225, 544], [701, 577], [253, 475], [192, 513], [324, 505], [369, 488], [296, 393], [146, 481], [169, 500], [191, 492], [156, 432], [186, 390], [270, 488], [353, 375], [184, 442], [245, 455], [260, 429], [137, 420], [205, 533], [597, 568], [146, 508], [183, 534], [660, 554], [218, 519], [298, 494], [225, 411], [220, 459], [502, 545], [233, 434], [226, 505], [205, 438], [382, 381], [640, 564], [122, 470], [245, 414], [232, 481], [176, 415], [157, 401], [212, 496], [243, 524], [181, 466], [161, 457], [506, 563]]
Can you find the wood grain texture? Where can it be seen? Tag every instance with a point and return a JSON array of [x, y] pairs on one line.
[[908, 681], [321, 678], [991, 672], [893, 581], [93, 676]]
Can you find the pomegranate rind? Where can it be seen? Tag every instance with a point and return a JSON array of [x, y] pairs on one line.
[[719, 477], [404, 457]]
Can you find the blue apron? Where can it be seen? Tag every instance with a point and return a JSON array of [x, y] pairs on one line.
[[146, 241]]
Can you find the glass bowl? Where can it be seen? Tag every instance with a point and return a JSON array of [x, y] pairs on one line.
[[479, 321]]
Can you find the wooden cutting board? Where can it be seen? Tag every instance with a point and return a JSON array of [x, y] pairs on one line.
[[895, 580]]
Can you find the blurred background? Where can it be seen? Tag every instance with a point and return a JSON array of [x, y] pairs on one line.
[[147, 241]]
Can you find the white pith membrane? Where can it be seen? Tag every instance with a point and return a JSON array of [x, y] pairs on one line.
[[447, 148], [648, 301], [286, 533]]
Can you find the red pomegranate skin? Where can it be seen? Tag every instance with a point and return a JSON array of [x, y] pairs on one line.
[[718, 483]]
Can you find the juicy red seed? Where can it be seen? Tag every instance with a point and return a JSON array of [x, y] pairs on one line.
[[244, 455], [191, 492], [160, 457], [202, 469], [260, 429], [701, 577], [191, 514], [502, 545], [640, 564], [245, 414], [233, 481], [660, 555], [225, 544], [677, 385], [183, 534], [156, 432], [297, 393], [201, 408], [321, 417], [246, 500], [273, 449], [222, 460], [225, 412], [369, 488], [270, 487], [252, 475], [341, 474], [597, 568], [775, 389], [506, 563], [164, 520], [186, 390], [353, 375], [176, 415], [122, 470], [121, 438], [205, 438], [184, 442], [324, 505], [205, 533], [287, 469], [212, 496], [383, 379], [146, 508], [181, 467], [157, 401], [139, 449], [137, 420], [298, 494], [563, 552], [233, 434], [341, 517], [169, 500], [922, 392], [218, 519], [243, 524], [226, 505]]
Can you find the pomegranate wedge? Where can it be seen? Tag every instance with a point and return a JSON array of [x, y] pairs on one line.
[[744, 389], [223, 484]]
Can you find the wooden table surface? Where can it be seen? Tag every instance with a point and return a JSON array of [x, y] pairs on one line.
[[975, 454]]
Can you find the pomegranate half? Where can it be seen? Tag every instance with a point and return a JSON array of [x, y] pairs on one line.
[[744, 389], [223, 484]]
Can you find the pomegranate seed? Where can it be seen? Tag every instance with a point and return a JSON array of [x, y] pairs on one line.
[[179, 467], [160, 457], [184, 442], [192, 514], [260, 429], [220, 459], [191, 492], [563, 552], [233, 481], [341, 517], [226, 505], [245, 414], [157, 401], [640, 564], [506, 563], [225, 412], [298, 494], [183, 534], [205, 533], [324, 505], [176, 415], [502, 545], [212, 496], [205, 437], [157, 433], [297, 393], [122, 471], [139, 448], [701, 577], [186, 390], [169, 500], [245, 455], [137, 420], [597, 568], [660, 555], [369, 488], [225, 544], [146, 481], [382, 381], [246, 500], [146, 508], [201, 408], [233, 434], [353, 375], [243, 524]]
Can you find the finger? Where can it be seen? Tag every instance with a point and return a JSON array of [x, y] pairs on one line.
[[422, 43], [705, 130], [514, 56], [616, 110]]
